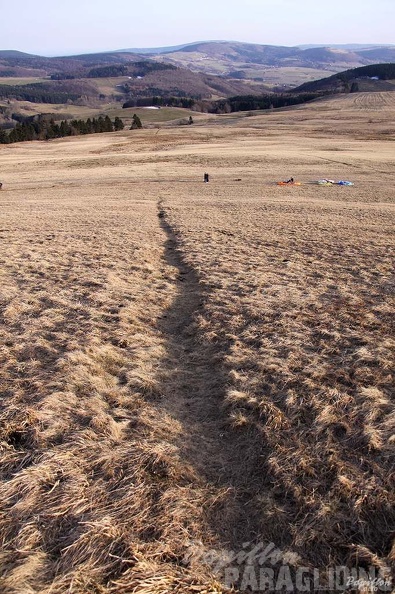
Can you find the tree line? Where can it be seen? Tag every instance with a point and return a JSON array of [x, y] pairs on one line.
[[340, 82], [158, 101], [229, 105], [254, 102], [44, 129], [36, 94], [381, 71]]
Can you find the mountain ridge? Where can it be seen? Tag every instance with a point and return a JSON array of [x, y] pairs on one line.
[[200, 70], [355, 48]]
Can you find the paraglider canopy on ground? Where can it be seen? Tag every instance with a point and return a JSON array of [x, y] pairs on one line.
[[332, 182]]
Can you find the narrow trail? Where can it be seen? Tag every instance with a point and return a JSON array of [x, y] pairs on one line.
[[193, 389]]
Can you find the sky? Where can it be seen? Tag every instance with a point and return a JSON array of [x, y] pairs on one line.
[[48, 27]]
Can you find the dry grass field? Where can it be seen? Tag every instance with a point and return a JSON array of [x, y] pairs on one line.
[[189, 367]]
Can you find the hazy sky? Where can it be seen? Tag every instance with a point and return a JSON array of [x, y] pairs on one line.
[[49, 27]]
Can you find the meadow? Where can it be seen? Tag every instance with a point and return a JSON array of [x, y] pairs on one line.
[[187, 367], [62, 111]]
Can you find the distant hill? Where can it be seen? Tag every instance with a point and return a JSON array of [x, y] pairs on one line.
[[375, 77], [142, 75], [201, 44], [213, 57], [379, 54], [101, 78], [10, 54], [225, 56], [348, 46], [202, 70], [157, 50], [21, 64]]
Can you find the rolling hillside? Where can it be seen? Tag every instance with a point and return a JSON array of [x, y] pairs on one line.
[[376, 77], [233, 51], [108, 80], [226, 57], [274, 65], [109, 76]]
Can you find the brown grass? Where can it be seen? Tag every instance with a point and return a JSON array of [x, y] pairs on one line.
[[217, 374]]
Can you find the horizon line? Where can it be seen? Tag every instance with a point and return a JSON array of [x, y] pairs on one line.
[[181, 45]]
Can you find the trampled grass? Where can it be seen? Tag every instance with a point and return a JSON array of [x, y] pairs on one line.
[[187, 367]]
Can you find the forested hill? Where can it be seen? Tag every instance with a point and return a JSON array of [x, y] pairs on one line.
[[375, 77]]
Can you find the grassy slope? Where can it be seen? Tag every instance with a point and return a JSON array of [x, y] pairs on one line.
[[83, 286], [13, 80], [218, 374], [66, 112]]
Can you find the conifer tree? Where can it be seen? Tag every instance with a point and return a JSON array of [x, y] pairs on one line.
[[136, 123], [118, 124], [108, 127], [101, 127], [3, 137]]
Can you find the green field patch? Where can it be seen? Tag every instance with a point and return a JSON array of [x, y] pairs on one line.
[[19, 81]]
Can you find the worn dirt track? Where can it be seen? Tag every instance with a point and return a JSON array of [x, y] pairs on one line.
[[194, 391]]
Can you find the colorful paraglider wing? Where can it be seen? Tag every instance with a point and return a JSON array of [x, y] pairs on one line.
[[325, 182]]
